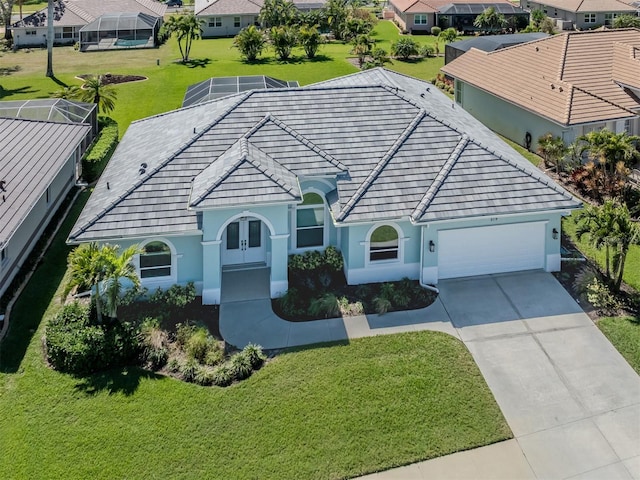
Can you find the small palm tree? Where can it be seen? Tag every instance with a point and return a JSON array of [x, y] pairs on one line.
[[251, 42], [552, 149], [120, 267], [95, 91], [310, 40], [87, 271], [186, 28], [362, 46], [283, 39], [405, 47], [68, 93], [598, 224], [448, 35]]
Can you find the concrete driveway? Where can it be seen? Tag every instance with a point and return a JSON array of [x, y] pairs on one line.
[[571, 400]]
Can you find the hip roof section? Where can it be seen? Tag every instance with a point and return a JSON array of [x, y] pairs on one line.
[[383, 137], [568, 78]]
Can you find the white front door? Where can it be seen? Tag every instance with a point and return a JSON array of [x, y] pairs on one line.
[[243, 242]]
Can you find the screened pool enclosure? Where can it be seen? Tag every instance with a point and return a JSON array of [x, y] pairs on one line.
[[120, 31]]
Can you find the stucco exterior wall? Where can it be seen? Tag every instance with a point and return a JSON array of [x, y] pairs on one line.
[[228, 25], [507, 119], [28, 233], [39, 36]]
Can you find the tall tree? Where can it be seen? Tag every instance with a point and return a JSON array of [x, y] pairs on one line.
[[276, 13], [251, 42], [310, 40], [490, 19], [6, 7], [50, 38], [186, 29], [283, 39], [94, 91], [336, 13]]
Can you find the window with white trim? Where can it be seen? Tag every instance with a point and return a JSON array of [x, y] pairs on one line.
[[589, 18], [420, 19], [236, 22], [156, 260], [215, 22], [458, 92], [310, 221], [30, 32], [384, 244], [609, 18]]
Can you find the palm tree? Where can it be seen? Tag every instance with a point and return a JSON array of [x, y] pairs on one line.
[[448, 35], [276, 13], [119, 267], [490, 19], [552, 149], [94, 91], [186, 28], [404, 48], [50, 39], [283, 39], [626, 233], [362, 45], [93, 266], [251, 42], [310, 39], [68, 93]]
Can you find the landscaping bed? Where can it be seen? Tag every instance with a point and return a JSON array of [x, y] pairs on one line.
[[318, 290], [113, 79]]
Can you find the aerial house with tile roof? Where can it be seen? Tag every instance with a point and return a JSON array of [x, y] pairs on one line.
[[568, 84], [95, 24], [380, 165], [581, 14]]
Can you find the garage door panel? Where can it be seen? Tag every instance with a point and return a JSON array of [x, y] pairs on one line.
[[495, 249]]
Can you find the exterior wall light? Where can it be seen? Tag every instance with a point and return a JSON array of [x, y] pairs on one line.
[[554, 234], [432, 246]]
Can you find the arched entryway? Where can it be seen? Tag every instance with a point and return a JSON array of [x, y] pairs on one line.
[[244, 243]]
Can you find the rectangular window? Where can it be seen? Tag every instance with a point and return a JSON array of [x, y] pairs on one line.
[[609, 17], [420, 19], [589, 18], [30, 32], [215, 22], [68, 32], [236, 22], [310, 227]]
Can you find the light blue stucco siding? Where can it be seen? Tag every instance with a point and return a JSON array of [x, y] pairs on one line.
[[275, 219], [186, 260], [549, 221], [358, 267], [508, 119]]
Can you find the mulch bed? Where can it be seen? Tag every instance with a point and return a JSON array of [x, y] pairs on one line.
[[112, 79]]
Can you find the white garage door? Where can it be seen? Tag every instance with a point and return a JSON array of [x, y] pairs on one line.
[[496, 249]]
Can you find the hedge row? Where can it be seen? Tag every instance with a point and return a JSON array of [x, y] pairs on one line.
[[99, 154]]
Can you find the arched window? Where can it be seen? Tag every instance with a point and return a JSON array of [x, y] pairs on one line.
[[384, 244], [310, 216], [156, 260]]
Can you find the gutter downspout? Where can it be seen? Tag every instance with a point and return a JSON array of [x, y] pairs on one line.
[[422, 284]]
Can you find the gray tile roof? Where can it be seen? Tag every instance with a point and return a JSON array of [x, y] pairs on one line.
[[399, 147], [33, 152]]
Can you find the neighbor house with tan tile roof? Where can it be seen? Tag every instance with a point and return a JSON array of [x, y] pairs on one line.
[[421, 15], [568, 84], [581, 14], [225, 18]]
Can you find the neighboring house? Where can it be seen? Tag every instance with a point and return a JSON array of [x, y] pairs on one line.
[[218, 87], [567, 84], [225, 18], [581, 14], [488, 43], [95, 24], [380, 165], [39, 165], [421, 15]]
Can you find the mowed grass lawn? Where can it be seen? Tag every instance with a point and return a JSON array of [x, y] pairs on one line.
[[333, 411], [166, 85], [624, 334]]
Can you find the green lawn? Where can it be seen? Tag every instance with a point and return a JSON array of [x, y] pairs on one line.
[[624, 334], [167, 83], [328, 412], [631, 274], [532, 157]]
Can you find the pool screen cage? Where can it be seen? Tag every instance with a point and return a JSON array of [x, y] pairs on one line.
[[120, 30]]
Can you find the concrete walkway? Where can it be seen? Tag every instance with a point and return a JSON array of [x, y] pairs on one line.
[[246, 317], [571, 400]]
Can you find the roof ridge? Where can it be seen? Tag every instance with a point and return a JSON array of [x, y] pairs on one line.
[[301, 138], [162, 164], [569, 106], [268, 171], [226, 171], [429, 195], [605, 100], [364, 186], [563, 56]]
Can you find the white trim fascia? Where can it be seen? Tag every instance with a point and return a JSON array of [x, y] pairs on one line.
[[279, 236], [562, 212], [243, 205], [406, 218], [205, 243]]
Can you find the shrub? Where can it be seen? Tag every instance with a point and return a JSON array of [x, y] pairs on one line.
[[214, 355], [240, 366], [189, 369], [173, 365], [175, 296], [96, 158], [404, 48], [255, 355], [382, 305], [291, 303], [435, 31], [184, 332], [583, 279], [325, 306], [155, 344], [600, 296], [199, 344], [75, 345], [350, 309], [221, 376], [203, 376], [333, 259], [427, 51]]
